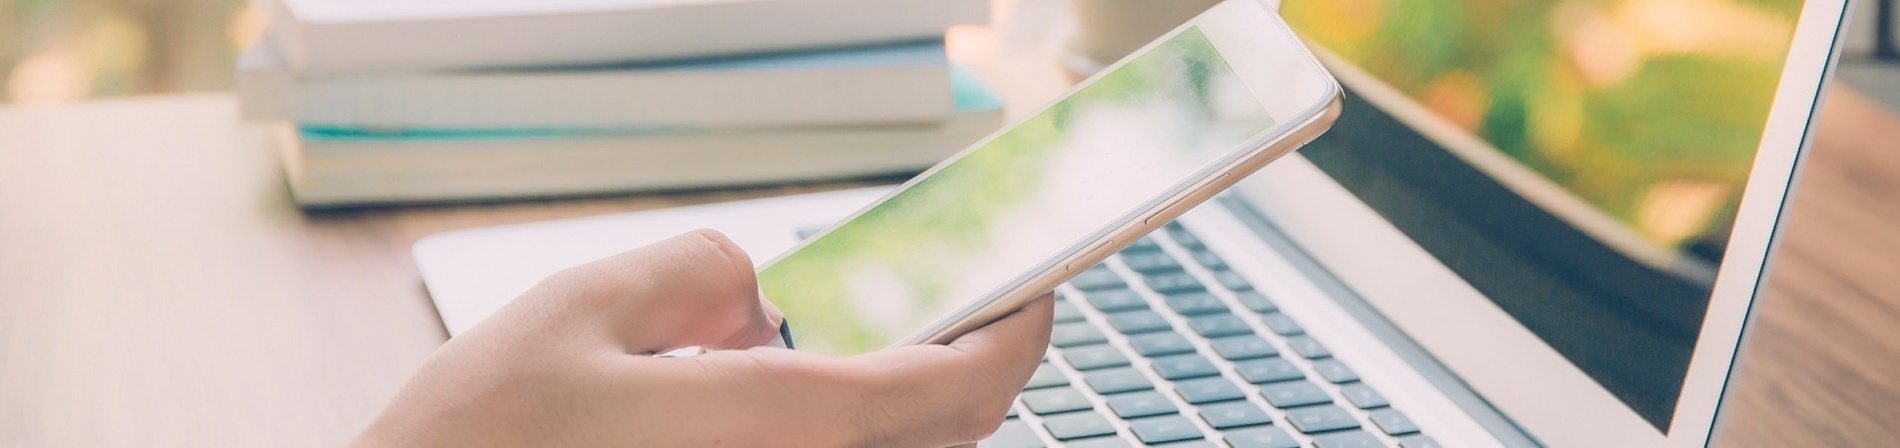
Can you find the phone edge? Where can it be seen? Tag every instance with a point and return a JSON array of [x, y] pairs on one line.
[[1015, 298]]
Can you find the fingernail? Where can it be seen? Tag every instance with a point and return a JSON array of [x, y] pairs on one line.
[[683, 352]]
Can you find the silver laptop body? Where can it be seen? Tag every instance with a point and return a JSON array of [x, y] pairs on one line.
[[1413, 279]]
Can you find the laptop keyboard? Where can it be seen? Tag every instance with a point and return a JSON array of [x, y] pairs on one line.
[[1163, 345]]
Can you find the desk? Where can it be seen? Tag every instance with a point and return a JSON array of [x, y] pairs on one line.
[[158, 289]]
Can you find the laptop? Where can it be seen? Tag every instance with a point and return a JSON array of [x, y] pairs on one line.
[[1537, 223]]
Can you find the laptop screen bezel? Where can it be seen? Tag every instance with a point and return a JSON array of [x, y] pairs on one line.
[[1504, 362]]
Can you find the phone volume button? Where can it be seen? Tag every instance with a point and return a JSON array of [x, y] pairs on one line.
[[1092, 255], [1215, 184]]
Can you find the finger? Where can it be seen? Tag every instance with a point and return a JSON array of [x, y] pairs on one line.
[[759, 397], [935, 395], [773, 317], [1009, 337], [694, 289], [947, 394]]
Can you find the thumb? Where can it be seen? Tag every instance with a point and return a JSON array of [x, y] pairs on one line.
[[694, 289], [959, 393], [919, 395]]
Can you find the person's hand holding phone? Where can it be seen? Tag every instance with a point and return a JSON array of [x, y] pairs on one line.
[[569, 364]]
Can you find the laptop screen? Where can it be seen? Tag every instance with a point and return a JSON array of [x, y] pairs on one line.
[[1579, 162]]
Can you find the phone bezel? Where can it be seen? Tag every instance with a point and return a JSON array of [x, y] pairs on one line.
[[1276, 67]]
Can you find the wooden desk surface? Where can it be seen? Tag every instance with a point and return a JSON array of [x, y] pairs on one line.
[[158, 289]]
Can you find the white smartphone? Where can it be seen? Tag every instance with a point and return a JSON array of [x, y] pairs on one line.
[[1016, 214]]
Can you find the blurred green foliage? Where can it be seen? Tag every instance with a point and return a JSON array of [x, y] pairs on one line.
[[1650, 110], [931, 235]]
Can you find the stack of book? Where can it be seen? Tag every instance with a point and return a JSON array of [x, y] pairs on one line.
[[398, 101]]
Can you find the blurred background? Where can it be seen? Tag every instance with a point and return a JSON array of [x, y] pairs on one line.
[[55, 51]]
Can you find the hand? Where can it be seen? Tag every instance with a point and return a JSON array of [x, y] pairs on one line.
[[568, 364]]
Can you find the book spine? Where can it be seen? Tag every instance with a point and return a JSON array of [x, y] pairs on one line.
[[380, 171], [628, 34], [553, 100]]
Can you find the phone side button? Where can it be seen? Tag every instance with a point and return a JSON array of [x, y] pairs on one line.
[[1092, 253], [1184, 200]]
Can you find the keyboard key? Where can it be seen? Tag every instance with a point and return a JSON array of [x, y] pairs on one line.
[[1067, 312], [1013, 434], [1260, 437], [1077, 425], [1103, 442], [1308, 347], [1173, 428], [1232, 281], [1097, 278], [1282, 325], [1143, 244], [1075, 333], [1217, 325], [1208, 259], [1194, 303], [1112, 300], [1348, 439], [1393, 422], [1234, 414], [1362, 396], [1418, 441], [1118, 380], [1173, 282], [1160, 344], [1012, 412], [1320, 419], [1135, 322], [1140, 404], [1181, 367], [1294, 394], [1150, 262], [1236, 348], [1094, 357], [1208, 390], [1262, 371], [1257, 302], [1055, 401], [1196, 443], [1334, 371], [1046, 376]]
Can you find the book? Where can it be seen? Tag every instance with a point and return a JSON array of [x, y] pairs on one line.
[[381, 36], [341, 167], [893, 83]]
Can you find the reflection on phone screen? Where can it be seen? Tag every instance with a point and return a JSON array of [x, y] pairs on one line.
[[1019, 199]]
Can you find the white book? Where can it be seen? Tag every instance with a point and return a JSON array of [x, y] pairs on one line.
[[892, 83], [329, 168], [371, 36]]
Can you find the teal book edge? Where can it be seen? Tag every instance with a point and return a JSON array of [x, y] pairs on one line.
[[968, 95]]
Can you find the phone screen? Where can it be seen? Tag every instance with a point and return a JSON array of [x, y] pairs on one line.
[[1018, 201]]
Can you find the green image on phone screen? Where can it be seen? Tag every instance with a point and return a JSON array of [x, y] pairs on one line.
[[1046, 184]]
